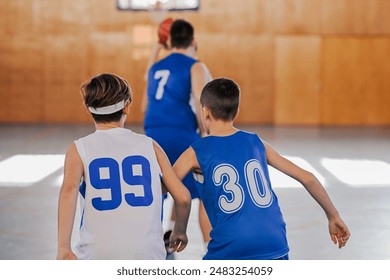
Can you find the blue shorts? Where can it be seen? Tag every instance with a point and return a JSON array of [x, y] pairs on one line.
[[174, 141]]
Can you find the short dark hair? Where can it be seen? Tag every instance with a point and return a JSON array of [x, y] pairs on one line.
[[222, 97], [181, 34], [105, 90]]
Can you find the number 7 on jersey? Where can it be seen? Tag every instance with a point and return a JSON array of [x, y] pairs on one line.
[[163, 76]]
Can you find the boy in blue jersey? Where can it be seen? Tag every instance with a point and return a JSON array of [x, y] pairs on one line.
[[233, 181], [172, 116]]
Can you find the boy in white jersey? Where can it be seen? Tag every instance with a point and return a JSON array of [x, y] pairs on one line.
[[231, 167], [121, 191]]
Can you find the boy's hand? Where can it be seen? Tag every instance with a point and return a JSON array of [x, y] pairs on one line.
[[66, 255], [339, 232], [177, 242]]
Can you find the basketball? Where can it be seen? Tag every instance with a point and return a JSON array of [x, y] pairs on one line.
[[163, 30]]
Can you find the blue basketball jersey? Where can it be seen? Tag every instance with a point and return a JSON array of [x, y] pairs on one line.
[[169, 93], [170, 117], [237, 194]]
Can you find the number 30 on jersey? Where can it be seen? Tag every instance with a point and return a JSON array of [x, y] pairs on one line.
[[258, 187]]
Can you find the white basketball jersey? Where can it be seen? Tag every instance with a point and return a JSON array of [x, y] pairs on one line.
[[121, 198]]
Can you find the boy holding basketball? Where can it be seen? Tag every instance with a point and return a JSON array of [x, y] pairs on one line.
[[231, 170], [172, 116], [121, 191]]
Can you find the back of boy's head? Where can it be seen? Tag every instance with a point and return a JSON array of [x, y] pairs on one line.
[[105, 91], [181, 34], [222, 97]]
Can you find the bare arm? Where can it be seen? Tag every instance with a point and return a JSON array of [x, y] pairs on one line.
[[181, 197], [144, 102], [67, 203], [200, 76], [186, 163], [152, 59], [337, 228]]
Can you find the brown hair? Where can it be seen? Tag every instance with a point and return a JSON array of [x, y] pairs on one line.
[[222, 97], [105, 90]]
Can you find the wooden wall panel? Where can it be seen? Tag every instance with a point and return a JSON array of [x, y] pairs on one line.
[[20, 17], [297, 80], [270, 47], [64, 72], [235, 17], [215, 55], [64, 17], [65, 29], [20, 62], [21, 80], [356, 17], [356, 81], [254, 73], [248, 60], [297, 16]]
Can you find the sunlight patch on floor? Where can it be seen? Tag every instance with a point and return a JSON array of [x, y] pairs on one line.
[[359, 172], [280, 180], [23, 170]]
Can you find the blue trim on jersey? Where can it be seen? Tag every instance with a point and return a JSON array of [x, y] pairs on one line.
[[283, 258], [82, 219], [238, 197], [82, 190]]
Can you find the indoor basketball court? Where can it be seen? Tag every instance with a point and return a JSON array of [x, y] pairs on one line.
[[315, 84]]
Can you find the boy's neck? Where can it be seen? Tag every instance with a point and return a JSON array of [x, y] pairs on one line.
[[106, 126], [188, 51], [220, 128]]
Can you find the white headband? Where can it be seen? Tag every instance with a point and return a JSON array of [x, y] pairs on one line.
[[108, 109]]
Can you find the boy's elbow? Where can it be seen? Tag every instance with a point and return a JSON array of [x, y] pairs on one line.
[[185, 200], [309, 179], [182, 198]]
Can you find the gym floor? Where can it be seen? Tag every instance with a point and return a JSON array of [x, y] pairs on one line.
[[353, 163]]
